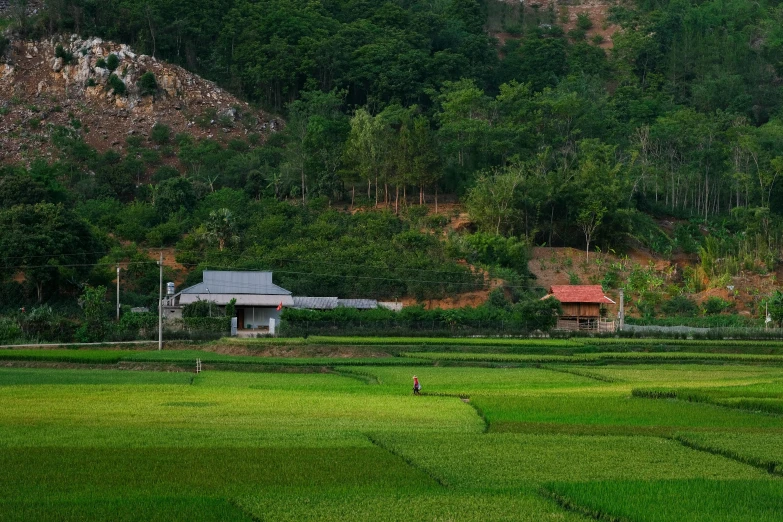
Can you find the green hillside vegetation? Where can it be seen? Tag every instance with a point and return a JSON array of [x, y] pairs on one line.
[[550, 140]]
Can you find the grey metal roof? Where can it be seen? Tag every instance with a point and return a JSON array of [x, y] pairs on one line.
[[315, 303], [360, 304], [236, 282]]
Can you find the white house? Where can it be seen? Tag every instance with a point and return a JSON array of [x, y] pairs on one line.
[[257, 298]]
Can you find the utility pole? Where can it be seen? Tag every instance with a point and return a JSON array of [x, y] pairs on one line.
[[118, 292], [621, 311], [160, 304]]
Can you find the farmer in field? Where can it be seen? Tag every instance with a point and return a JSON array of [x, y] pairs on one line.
[[416, 386]]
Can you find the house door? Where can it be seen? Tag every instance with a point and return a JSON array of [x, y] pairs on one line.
[[241, 318]]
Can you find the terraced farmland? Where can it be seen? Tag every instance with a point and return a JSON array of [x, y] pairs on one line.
[[344, 439]]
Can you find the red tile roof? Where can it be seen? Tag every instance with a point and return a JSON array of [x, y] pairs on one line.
[[579, 294]]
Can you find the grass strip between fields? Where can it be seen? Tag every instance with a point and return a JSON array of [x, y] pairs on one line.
[[596, 357], [190, 356]]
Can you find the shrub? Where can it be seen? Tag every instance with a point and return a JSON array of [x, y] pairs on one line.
[[131, 322], [583, 22], [611, 279], [497, 299], [204, 309], [9, 330], [134, 142], [208, 324], [680, 305], [164, 234], [117, 84], [160, 134], [101, 63], [112, 62], [165, 172], [231, 308], [60, 52], [147, 83], [715, 305]]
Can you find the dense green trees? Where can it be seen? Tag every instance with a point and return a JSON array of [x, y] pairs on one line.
[[549, 139], [49, 245]]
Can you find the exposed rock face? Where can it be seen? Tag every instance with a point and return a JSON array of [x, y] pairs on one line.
[[41, 90]]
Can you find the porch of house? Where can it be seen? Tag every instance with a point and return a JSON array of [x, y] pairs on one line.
[[253, 320]]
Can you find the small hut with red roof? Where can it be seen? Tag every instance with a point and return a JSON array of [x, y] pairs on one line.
[[581, 306]]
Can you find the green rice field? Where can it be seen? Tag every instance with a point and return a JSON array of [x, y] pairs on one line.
[[98, 435]]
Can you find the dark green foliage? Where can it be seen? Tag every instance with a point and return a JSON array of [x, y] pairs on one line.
[[96, 309], [112, 62], [680, 305], [160, 134], [163, 173], [209, 324], [523, 317], [148, 84], [490, 249], [46, 241], [201, 309], [20, 189], [775, 307], [100, 62], [117, 85], [583, 22], [231, 308], [715, 305], [60, 52], [133, 322], [175, 194]]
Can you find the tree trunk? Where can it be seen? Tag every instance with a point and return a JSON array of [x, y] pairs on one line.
[[376, 191], [397, 201], [551, 224], [436, 199], [353, 195], [304, 200]]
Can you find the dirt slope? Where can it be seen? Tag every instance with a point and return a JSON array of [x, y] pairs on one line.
[[39, 91]]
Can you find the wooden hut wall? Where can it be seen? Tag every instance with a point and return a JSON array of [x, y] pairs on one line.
[[581, 309]]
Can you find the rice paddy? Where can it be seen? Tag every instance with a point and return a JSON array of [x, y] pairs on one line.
[[344, 438]]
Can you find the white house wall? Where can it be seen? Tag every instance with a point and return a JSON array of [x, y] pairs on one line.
[[258, 317]]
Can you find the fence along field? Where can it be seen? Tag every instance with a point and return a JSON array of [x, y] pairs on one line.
[[482, 443]]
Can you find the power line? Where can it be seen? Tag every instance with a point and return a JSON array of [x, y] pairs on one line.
[[73, 265]]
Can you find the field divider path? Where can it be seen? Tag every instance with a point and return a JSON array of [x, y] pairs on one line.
[[571, 506], [580, 373], [241, 508], [698, 398], [365, 377], [410, 462], [466, 399], [770, 466]]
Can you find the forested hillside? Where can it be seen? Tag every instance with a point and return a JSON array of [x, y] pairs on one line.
[[564, 131]]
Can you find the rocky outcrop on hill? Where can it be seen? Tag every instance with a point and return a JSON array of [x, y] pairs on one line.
[[74, 83]]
